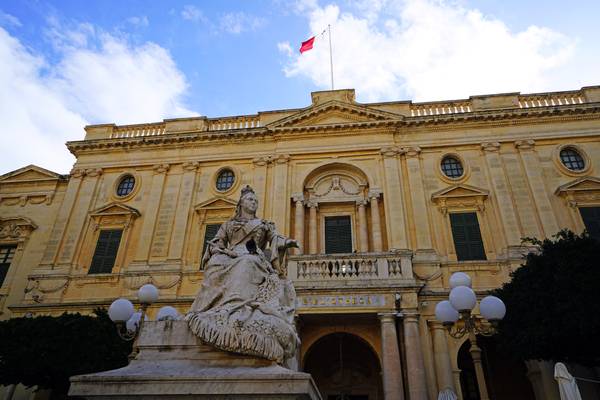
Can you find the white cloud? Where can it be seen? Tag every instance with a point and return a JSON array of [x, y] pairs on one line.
[[9, 20], [192, 13], [141, 21], [98, 78], [239, 22], [429, 50]]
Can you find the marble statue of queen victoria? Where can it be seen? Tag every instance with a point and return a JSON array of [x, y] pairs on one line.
[[246, 304]]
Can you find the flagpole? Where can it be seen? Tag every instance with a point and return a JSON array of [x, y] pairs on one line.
[[330, 56]]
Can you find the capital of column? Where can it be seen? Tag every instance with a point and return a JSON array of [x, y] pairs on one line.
[[390, 151], [373, 194], [281, 158], [524, 145], [410, 316], [434, 324], [161, 168], [77, 173], [298, 197], [412, 151], [93, 172], [312, 204], [490, 146], [387, 317], [261, 161], [191, 165], [361, 202]]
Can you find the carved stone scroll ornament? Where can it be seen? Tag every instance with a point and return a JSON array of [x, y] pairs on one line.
[[246, 303], [18, 228]]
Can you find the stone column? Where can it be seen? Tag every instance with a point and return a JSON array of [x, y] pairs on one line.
[[394, 199], [149, 214], [502, 193], [375, 222], [441, 356], [393, 388], [312, 228], [533, 170], [476, 356], [417, 194], [363, 229], [299, 223], [184, 201], [415, 367]]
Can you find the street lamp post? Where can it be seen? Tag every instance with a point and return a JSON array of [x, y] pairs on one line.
[[456, 316], [121, 312]]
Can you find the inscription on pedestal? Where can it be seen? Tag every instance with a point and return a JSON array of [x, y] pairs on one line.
[[340, 301]]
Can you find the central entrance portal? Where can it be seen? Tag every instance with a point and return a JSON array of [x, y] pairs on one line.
[[344, 368]]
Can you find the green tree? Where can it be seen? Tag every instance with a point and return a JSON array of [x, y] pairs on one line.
[[45, 351], [553, 301]]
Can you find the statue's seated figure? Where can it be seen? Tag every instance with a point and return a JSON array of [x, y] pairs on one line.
[[246, 305]]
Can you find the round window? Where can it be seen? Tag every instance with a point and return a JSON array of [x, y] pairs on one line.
[[572, 159], [225, 180], [452, 167], [125, 186]]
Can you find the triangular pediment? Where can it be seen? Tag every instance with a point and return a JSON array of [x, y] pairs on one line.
[[459, 191], [30, 173], [115, 209], [216, 203], [334, 113], [584, 184]]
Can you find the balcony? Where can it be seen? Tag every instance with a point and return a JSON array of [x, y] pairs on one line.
[[351, 270]]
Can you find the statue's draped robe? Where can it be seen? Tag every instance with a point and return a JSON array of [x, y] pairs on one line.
[[243, 305]]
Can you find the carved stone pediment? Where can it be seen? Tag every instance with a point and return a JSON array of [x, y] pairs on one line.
[[334, 112], [30, 173], [460, 197], [219, 208], [16, 228], [114, 214], [581, 191]]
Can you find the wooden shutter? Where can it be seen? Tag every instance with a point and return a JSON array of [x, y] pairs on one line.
[[591, 219], [6, 255], [338, 235], [106, 251], [210, 232], [467, 237]]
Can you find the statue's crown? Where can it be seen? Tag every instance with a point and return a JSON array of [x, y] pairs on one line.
[[247, 189]]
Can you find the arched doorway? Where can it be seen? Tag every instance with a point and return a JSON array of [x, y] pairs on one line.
[[505, 376], [344, 367]]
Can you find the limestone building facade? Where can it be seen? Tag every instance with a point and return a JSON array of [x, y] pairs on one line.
[[386, 199]]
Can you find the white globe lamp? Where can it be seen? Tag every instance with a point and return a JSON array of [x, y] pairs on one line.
[[167, 313], [460, 279], [446, 313], [120, 310], [148, 294], [492, 308], [463, 298]]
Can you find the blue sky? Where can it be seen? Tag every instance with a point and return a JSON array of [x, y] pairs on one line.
[[71, 63]]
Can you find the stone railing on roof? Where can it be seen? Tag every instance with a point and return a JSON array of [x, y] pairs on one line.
[[241, 122], [435, 108], [128, 131], [551, 99]]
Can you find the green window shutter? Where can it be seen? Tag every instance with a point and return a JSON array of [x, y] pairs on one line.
[[6, 255], [338, 235], [467, 237], [210, 231], [106, 251], [591, 219]]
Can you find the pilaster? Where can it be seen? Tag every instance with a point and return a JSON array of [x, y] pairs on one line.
[[393, 388], [415, 366], [394, 202], [280, 192], [417, 193], [182, 212]]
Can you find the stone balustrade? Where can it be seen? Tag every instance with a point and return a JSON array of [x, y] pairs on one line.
[[241, 122], [353, 267], [129, 131], [551, 99], [426, 109]]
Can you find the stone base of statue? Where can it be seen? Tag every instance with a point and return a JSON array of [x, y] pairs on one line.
[[173, 364]]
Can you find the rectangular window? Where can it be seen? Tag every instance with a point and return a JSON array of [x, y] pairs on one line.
[[591, 219], [467, 237], [106, 251], [210, 231], [6, 256], [338, 235]]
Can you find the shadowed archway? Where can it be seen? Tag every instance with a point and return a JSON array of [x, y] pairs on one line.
[[344, 367]]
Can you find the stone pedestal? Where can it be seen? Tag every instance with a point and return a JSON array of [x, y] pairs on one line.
[[173, 364]]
